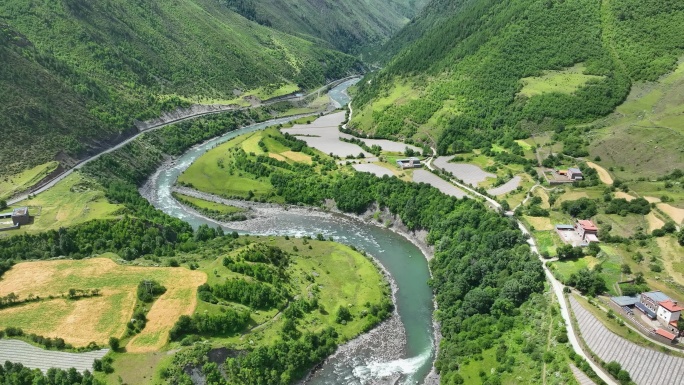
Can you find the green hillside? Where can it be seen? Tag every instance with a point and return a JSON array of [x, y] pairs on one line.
[[461, 66], [348, 25], [76, 73]]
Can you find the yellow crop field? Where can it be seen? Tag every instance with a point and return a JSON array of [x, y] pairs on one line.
[[297, 156], [97, 318], [675, 213], [603, 174]]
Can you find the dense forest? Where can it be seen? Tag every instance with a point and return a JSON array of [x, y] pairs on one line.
[[465, 61], [483, 270], [348, 25], [85, 71]]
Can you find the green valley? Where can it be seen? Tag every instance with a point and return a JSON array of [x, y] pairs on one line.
[[84, 72], [263, 192]]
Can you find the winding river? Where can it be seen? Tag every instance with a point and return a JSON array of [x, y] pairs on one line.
[[362, 361]]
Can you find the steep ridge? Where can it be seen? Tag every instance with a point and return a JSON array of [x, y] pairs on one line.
[[460, 79], [349, 25], [79, 73]]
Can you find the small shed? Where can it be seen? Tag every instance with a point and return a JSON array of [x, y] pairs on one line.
[[575, 174], [20, 216], [409, 163], [665, 334], [625, 301]]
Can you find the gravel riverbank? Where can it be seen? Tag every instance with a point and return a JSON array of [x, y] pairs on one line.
[[387, 341]]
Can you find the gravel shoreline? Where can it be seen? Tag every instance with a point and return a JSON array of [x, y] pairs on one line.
[[392, 348]]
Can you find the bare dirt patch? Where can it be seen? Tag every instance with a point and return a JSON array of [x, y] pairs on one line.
[[97, 318], [675, 213], [603, 174], [624, 195], [653, 221], [652, 199]]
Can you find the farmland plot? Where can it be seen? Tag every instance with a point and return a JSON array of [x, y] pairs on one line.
[[646, 366], [96, 318], [36, 358]]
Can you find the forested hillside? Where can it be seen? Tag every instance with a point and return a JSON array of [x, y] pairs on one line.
[[76, 73], [465, 72], [348, 25]]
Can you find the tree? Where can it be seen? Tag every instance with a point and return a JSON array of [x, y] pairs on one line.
[[626, 269], [343, 315], [114, 343], [568, 251], [3, 204]]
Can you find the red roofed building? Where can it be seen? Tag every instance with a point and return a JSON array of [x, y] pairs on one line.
[[665, 334], [587, 230], [668, 314]]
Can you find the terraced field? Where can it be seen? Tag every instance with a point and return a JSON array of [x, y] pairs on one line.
[[507, 187], [37, 358], [423, 176], [645, 366], [468, 173]]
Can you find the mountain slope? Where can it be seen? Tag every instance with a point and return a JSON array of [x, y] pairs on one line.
[[482, 73], [80, 72], [348, 25]]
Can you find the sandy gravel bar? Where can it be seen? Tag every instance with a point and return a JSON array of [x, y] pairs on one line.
[[373, 169], [323, 134], [603, 174], [646, 366], [468, 173], [507, 187], [36, 358], [423, 176]]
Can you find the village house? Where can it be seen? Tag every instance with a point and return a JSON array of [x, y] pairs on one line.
[[668, 314], [587, 230], [652, 299], [575, 174], [409, 163]]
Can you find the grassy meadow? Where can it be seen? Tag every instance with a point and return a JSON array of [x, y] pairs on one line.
[[565, 81], [74, 200], [13, 184]]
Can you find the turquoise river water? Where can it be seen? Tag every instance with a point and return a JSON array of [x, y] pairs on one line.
[[365, 364]]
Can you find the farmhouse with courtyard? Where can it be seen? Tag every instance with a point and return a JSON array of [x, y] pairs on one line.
[[587, 230], [409, 163]]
